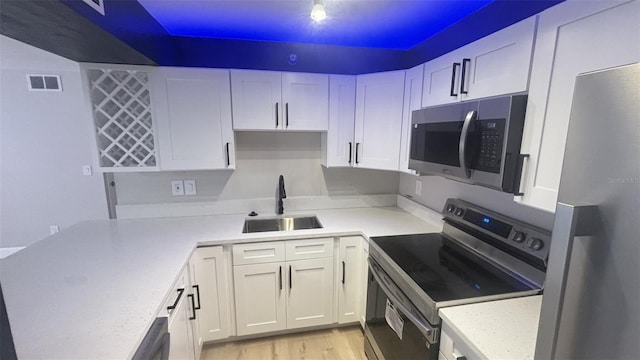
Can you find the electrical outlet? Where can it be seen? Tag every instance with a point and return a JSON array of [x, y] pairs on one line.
[[177, 188], [86, 170], [189, 187], [418, 187]]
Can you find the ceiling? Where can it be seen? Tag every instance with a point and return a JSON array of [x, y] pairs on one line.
[[358, 36], [386, 24]]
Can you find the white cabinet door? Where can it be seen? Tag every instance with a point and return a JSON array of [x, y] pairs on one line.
[[306, 101], [337, 143], [180, 326], [441, 80], [349, 279], [412, 101], [209, 277], [310, 292], [193, 112], [379, 101], [499, 63], [494, 65], [257, 100], [573, 37], [260, 298], [364, 281]]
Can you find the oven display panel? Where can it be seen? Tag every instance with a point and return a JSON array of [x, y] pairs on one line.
[[489, 223]]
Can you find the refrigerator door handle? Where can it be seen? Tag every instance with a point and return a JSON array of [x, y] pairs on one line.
[[570, 221]]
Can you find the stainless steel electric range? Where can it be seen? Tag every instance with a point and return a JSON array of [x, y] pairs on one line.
[[479, 256]]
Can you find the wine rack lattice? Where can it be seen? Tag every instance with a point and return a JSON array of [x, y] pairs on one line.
[[121, 105]]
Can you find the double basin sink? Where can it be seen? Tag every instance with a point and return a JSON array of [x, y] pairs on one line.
[[281, 224]]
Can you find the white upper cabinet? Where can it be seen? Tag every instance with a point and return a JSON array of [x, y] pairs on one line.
[[337, 142], [494, 65], [193, 115], [379, 102], [412, 101], [306, 101], [269, 100], [574, 37]]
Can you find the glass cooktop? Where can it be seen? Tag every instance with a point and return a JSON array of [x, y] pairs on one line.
[[444, 270]]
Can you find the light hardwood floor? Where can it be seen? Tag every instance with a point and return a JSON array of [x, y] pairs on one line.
[[339, 343]]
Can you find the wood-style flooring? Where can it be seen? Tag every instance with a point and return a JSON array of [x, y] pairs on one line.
[[338, 343]]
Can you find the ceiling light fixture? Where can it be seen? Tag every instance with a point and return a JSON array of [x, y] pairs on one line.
[[317, 12]]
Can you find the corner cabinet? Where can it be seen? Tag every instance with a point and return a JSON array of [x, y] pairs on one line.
[[573, 37], [412, 101], [337, 144], [193, 116], [283, 285], [494, 65], [119, 97], [269, 100], [378, 122]]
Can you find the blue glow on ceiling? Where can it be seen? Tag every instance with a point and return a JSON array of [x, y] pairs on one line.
[[384, 24]]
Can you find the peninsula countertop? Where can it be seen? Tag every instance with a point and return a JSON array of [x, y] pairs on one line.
[[92, 290]]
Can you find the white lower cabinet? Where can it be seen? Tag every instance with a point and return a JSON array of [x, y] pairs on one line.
[[310, 293], [277, 295], [210, 273], [573, 37], [453, 347], [260, 298], [178, 308], [349, 279]]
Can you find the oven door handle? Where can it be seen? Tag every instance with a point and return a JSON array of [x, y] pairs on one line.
[[427, 330]]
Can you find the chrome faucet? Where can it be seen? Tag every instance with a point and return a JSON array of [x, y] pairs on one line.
[[282, 194]]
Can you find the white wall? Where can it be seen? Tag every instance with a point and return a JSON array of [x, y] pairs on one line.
[[44, 141], [260, 158], [436, 190]]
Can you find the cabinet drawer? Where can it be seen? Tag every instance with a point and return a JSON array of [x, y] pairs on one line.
[[309, 249], [257, 253]]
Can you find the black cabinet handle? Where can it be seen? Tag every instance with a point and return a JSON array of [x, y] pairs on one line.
[[228, 156], [193, 307], [357, 146], [344, 270], [518, 175], [453, 79], [280, 277], [286, 113], [180, 292], [277, 123], [197, 287], [290, 284], [465, 62], [350, 151]]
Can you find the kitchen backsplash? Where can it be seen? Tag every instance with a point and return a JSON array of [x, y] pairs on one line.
[[436, 190], [260, 158]]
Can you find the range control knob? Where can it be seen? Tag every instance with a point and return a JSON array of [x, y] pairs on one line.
[[519, 236], [536, 244], [459, 212], [450, 208]]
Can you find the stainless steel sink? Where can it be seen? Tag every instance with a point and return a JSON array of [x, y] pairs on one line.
[[281, 224]]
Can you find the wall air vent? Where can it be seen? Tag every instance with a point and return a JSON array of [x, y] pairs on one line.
[[97, 5], [44, 83]]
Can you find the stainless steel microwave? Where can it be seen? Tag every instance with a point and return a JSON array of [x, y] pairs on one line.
[[477, 142]]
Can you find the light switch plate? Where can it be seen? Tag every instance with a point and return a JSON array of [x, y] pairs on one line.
[[190, 187], [177, 188], [86, 170]]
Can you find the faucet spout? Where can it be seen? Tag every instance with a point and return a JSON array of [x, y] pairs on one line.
[[282, 194]]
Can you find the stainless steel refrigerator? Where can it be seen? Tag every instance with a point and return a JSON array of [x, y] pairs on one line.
[[591, 301]]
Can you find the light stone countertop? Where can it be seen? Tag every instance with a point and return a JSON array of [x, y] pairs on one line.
[[503, 329], [92, 290]]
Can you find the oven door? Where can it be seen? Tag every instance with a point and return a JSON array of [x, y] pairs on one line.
[[394, 327]]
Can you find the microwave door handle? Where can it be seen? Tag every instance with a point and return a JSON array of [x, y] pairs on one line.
[[422, 325], [471, 115]]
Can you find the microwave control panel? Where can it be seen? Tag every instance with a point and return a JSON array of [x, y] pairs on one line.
[[490, 137]]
